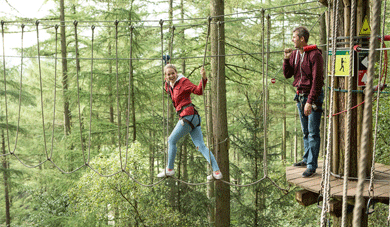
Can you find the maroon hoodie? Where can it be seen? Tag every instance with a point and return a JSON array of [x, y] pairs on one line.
[[308, 73]]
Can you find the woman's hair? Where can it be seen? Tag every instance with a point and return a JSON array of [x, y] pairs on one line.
[[170, 66]]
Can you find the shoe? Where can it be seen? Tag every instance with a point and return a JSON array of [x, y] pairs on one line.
[[166, 173], [215, 175], [301, 163], [308, 173]]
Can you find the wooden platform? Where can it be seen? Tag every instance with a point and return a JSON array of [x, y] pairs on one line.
[[313, 184]]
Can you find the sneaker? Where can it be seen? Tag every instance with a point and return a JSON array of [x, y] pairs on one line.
[[166, 173], [215, 175], [308, 173], [301, 163]]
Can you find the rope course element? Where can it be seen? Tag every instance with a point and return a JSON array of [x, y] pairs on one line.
[[371, 185], [326, 175], [367, 116], [45, 24], [349, 119]]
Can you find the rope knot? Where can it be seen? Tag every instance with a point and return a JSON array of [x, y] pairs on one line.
[[93, 27], [2, 22], [116, 22], [56, 26], [161, 22], [22, 26], [37, 22], [75, 22]]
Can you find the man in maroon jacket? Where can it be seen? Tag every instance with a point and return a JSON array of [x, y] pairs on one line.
[[307, 68]]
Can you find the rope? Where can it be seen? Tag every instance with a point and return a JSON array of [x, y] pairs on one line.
[[117, 93], [371, 186], [326, 189], [41, 89], [165, 130], [359, 199], [78, 88], [90, 96], [265, 91], [349, 118], [54, 93], [130, 101], [20, 90], [5, 86], [204, 96]]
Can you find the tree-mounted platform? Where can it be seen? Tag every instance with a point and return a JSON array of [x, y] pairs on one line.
[[313, 184]]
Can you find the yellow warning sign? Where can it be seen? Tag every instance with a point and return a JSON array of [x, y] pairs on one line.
[[342, 63], [365, 30]]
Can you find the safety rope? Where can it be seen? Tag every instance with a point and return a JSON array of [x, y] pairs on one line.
[[326, 189], [367, 117], [165, 127], [349, 117], [204, 95]]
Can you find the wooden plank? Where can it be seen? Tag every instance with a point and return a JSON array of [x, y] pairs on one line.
[[305, 197], [313, 184]]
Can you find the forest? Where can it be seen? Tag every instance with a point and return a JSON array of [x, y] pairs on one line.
[[84, 118]]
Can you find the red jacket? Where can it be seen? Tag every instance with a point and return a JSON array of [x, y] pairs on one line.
[[311, 80], [181, 94]]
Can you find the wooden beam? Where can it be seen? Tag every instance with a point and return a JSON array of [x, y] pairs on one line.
[[306, 198], [335, 208]]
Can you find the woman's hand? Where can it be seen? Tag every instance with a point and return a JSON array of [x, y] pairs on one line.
[[203, 73]]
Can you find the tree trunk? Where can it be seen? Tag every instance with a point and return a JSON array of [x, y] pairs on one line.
[[67, 114], [5, 177], [220, 131]]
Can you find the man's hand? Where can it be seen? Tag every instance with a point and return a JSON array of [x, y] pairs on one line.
[[307, 109], [287, 53]]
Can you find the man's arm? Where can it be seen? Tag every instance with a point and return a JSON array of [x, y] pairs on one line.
[[288, 69]]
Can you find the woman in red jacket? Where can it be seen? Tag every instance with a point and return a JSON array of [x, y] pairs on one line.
[[180, 89]]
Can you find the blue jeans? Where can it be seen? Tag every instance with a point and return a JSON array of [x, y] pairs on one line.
[[311, 130], [181, 129]]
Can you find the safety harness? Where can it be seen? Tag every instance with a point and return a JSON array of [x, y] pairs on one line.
[[183, 108]]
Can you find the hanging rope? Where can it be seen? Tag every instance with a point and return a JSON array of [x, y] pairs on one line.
[[130, 96], [54, 93], [20, 89], [349, 117], [78, 89], [367, 117], [90, 95], [165, 127], [326, 188], [204, 95], [5, 87], [41, 89], [117, 93], [371, 185]]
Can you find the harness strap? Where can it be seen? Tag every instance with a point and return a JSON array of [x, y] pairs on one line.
[[184, 107], [189, 122]]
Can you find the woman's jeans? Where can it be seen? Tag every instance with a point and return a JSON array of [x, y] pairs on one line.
[[311, 129], [181, 129]]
